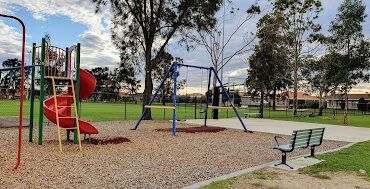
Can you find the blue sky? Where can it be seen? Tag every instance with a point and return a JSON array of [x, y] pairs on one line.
[[72, 21]]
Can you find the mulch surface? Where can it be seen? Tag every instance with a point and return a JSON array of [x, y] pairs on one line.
[[152, 159], [202, 129], [116, 140]]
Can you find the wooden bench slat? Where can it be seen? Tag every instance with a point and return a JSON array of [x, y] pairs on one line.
[[316, 134], [301, 146], [303, 131], [302, 137], [315, 138], [315, 141], [302, 134]]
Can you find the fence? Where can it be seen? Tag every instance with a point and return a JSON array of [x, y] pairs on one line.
[[112, 106]]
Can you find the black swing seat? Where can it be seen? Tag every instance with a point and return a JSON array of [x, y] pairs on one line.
[[300, 139]]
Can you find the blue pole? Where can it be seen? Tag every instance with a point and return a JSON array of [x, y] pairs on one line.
[[228, 98], [153, 97], [175, 74], [208, 96]]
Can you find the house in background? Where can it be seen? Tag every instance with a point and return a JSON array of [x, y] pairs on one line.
[[250, 101], [285, 99], [337, 101]]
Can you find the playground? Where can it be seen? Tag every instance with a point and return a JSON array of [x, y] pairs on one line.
[[152, 159], [71, 143]]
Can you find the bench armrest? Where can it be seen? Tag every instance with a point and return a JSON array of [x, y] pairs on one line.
[[277, 142]]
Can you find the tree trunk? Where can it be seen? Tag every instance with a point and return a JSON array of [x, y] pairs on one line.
[[214, 84], [295, 77], [147, 94], [261, 104], [274, 99], [13, 93], [321, 104], [295, 92], [214, 81], [345, 115]]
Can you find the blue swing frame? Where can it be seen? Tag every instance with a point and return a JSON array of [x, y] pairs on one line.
[[174, 67]]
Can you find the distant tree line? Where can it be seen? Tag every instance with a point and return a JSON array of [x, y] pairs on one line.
[[289, 37], [111, 84], [10, 81]]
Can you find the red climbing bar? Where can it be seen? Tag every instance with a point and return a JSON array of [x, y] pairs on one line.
[[22, 90]]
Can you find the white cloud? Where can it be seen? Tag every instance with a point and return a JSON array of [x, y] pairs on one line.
[[360, 88], [97, 48], [10, 42], [241, 72], [8, 10]]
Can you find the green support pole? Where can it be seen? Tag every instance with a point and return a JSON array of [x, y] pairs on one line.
[[42, 89], [77, 87], [67, 62], [32, 95]]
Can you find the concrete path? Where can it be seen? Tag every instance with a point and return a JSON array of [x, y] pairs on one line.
[[298, 163], [12, 122], [332, 132]]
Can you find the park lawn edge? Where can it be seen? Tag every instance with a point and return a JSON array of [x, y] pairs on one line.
[[349, 160], [221, 183], [319, 170]]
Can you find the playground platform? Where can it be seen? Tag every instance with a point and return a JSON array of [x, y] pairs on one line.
[[332, 132]]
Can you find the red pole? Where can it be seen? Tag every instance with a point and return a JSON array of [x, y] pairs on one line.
[[22, 91]]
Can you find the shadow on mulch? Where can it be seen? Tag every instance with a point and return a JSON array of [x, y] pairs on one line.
[[202, 129], [116, 140]]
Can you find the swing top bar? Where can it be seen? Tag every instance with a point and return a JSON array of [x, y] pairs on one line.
[[192, 66]]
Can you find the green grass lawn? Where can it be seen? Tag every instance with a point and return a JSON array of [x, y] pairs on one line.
[[221, 184], [351, 160], [101, 111]]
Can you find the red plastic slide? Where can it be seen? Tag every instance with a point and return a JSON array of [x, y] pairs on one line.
[[87, 87]]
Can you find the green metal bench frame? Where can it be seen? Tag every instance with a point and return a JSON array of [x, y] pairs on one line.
[[300, 139], [316, 138]]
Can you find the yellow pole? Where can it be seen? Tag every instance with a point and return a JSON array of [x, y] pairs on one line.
[[76, 113], [57, 115]]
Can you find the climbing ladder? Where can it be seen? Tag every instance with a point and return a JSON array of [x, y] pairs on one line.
[[69, 85]]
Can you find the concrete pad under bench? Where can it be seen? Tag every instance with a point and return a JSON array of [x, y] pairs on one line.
[[298, 163]]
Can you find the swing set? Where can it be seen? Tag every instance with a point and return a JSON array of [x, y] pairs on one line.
[[174, 71]]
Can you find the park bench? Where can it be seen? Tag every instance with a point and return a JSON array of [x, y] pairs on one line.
[[248, 114], [300, 139]]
